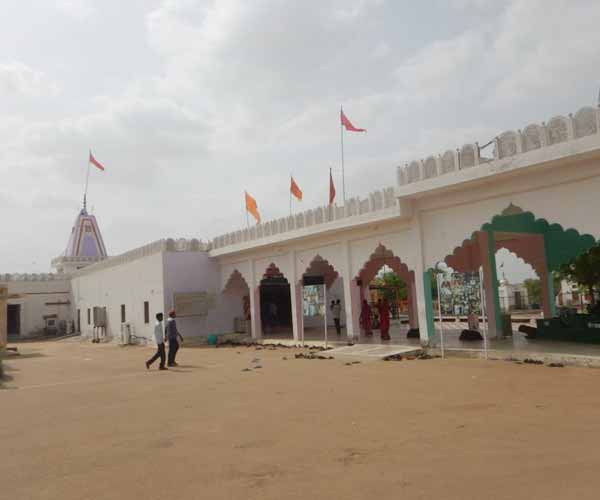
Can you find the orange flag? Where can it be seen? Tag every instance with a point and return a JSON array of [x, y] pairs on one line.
[[95, 162], [295, 190], [252, 207], [331, 189]]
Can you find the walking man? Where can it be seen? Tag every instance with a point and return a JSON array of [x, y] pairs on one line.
[[173, 337], [336, 309], [159, 338]]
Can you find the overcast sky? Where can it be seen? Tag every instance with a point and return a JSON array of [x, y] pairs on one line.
[[189, 102]]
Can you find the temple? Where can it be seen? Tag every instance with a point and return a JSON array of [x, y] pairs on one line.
[[536, 195]]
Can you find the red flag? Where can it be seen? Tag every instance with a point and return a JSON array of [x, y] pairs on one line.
[[331, 189], [95, 162], [346, 123], [295, 190], [252, 207]]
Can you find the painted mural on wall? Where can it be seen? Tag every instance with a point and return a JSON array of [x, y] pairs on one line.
[[460, 293]]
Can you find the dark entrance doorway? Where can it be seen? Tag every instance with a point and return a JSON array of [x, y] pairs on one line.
[[13, 319], [275, 303]]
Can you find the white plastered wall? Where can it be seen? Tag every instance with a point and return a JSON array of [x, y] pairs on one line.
[[38, 299], [131, 283], [567, 196]]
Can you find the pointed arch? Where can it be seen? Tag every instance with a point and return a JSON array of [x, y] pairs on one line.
[[236, 284], [321, 267], [560, 245], [380, 257]]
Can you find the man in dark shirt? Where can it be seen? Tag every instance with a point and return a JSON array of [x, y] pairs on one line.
[[173, 337]]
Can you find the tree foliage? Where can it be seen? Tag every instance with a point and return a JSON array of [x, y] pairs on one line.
[[534, 290], [584, 270]]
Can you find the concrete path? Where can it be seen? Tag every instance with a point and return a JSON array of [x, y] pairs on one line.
[[374, 352]]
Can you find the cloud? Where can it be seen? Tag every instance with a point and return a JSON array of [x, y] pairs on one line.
[[214, 97], [18, 79], [78, 9]]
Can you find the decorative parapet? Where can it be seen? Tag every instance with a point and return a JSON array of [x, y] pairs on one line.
[[508, 144], [8, 277], [75, 260], [376, 201], [164, 245]]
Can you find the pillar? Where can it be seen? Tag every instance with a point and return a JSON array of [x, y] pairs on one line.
[[3, 326], [548, 292], [424, 301], [255, 319], [296, 299], [352, 296], [413, 317], [487, 248]]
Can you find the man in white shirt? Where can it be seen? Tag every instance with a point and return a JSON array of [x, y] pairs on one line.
[[336, 309], [159, 338]]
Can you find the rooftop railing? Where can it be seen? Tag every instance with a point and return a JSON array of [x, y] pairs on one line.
[[557, 130]]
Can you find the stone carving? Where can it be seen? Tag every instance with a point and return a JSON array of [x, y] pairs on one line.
[[414, 172], [557, 130], [448, 164], [585, 122], [532, 137], [430, 168], [507, 144], [467, 156]]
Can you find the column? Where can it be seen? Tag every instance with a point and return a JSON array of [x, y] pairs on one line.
[[413, 309], [352, 293], [3, 326], [423, 296], [255, 319], [487, 250], [548, 292], [296, 299]]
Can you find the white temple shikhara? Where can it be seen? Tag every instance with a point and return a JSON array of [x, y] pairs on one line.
[[537, 196]]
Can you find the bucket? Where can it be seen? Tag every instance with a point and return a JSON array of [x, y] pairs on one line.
[[212, 340]]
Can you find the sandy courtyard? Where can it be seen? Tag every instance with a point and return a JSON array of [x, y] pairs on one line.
[[81, 421]]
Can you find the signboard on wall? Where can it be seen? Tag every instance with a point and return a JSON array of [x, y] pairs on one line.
[[193, 303]]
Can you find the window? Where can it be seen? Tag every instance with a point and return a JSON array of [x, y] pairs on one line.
[[146, 312], [89, 316], [123, 315]]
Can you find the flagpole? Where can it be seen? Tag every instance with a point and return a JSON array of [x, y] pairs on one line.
[[246, 211], [342, 145], [87, 179]]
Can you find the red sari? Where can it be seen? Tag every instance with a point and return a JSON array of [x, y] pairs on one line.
[[366, 320], [384, 320]]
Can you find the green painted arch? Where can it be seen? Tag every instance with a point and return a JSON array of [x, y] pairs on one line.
[[561, 244]]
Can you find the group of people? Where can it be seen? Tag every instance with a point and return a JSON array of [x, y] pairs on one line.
[[162, 335], [368, 322]]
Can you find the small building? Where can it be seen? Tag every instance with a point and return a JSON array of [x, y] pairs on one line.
[[121, 295], [38, 304], [513, 297]]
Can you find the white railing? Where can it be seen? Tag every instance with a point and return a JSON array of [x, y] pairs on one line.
[[508, 144], [376, 201], [164, 245], [32, 277]]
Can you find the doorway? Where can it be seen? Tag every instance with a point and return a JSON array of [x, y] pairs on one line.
[[13, 319]]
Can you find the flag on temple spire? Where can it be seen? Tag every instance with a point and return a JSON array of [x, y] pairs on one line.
[[95, 162], [295, 190], [348, 125], [331, 189], [252, 207]]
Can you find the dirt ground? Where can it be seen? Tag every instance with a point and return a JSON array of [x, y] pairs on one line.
[[84, 421]]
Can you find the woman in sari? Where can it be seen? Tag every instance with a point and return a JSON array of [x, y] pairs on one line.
[[384, 319], [366, 319]]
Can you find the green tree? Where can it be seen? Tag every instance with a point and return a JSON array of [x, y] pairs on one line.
[[534, 290], [584, 270]]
